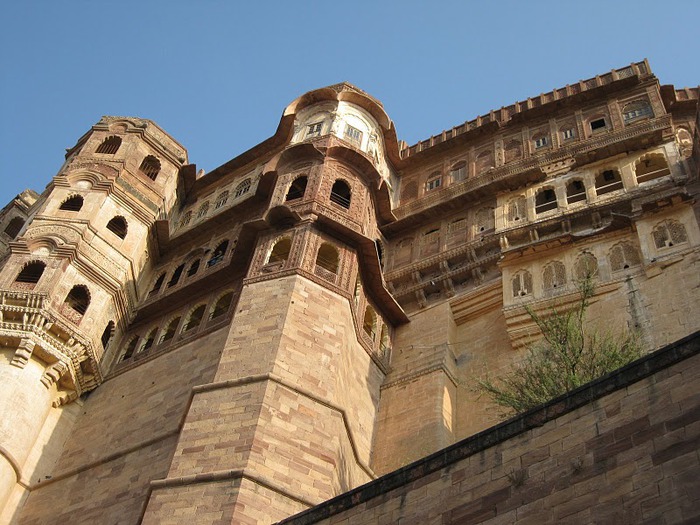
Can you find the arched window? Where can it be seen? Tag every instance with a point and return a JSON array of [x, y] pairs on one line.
[[31, 273], [170, 330], [221, 200], [636, 110], [458, 172], [297, 188], [554, 276], [340, 194], [513, 151], [585, 267], [218, 255], [203, 210], [242, 188], [107, 335], [193, 268], [434, 181], [369, 323], [516, 209], [176, 276], [568, 132], [651, 167], [545, 200], [484, 161], [575, 191], [72, 203], [150, 167], [522, 283], [118, 226], [78, 299], [430, 243], [109, 146], [149, 340], [186, 218], [222, 305], [14, 227], [280, 251], [157, 285], [327, 261], [623, 256], [484, 220], [130, 348], [669, 233], [409, 192], [608, 181], [194, 318]]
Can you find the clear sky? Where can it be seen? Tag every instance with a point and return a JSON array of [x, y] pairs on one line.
[[217, 75]]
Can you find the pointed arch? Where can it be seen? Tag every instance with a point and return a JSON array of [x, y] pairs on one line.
[[369, 322], [170, 330], [109, 146], [78, 299], [72, 203], [554, 276], [107, 335], [219, 254], [280, 251], [340, 193], [221, 306], [242, 188], [118, 226], [522, 283], [194, 318], [150, 167], [623, 255], [297, 188], [31, 272]]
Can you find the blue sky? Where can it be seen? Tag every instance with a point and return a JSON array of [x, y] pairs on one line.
[[217, 75]]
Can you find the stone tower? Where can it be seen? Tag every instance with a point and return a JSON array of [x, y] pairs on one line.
[[68, 281]]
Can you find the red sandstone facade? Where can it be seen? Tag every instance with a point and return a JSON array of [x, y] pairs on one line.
[[241, 345]]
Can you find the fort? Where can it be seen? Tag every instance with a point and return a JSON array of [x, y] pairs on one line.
[[296, 335]]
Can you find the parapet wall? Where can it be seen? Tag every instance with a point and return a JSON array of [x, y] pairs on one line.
[[623, 449]]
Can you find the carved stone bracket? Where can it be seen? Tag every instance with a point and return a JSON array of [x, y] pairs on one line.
[[23, 353], [53, 373]]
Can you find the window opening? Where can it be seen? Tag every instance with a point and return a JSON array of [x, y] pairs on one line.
[[484, 220], [597, 124], [221, 200], [107, 335], [242, 188], [636, 110], [109, 146], [203, 210], [314, 130], [150, 167], [586, 266], [218, 255], [170, 330], [340, 194], [157, 285], [545, 200], [459, 172], [78, 299], [353, 135], [31, 273], [433, 184], [14, 227], [280, 252], [568, 134], [522, 284], [118, 226], [222, 305], [176, 276], [541, 141], [72, 203], [194, 319], [327, 258], [575, 192], [623, 256], [651, 167], [148, 343], [607, 182], [516, 209], [130, 348], [554, 276], [186, 218], [369, 324], [297, 188], [193, 268]]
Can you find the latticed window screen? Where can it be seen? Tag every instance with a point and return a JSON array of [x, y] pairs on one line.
[[669, 233], [242, 188], [110, 146], [203, 210], [554, 276], [522, 283], [513, 151], [586, 266], [186, 218], [403, 252], [622, 256], [430, 242], [516, 209], [484, 161], [409, 192], [484, 219], [221, 200], [458, 172]]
